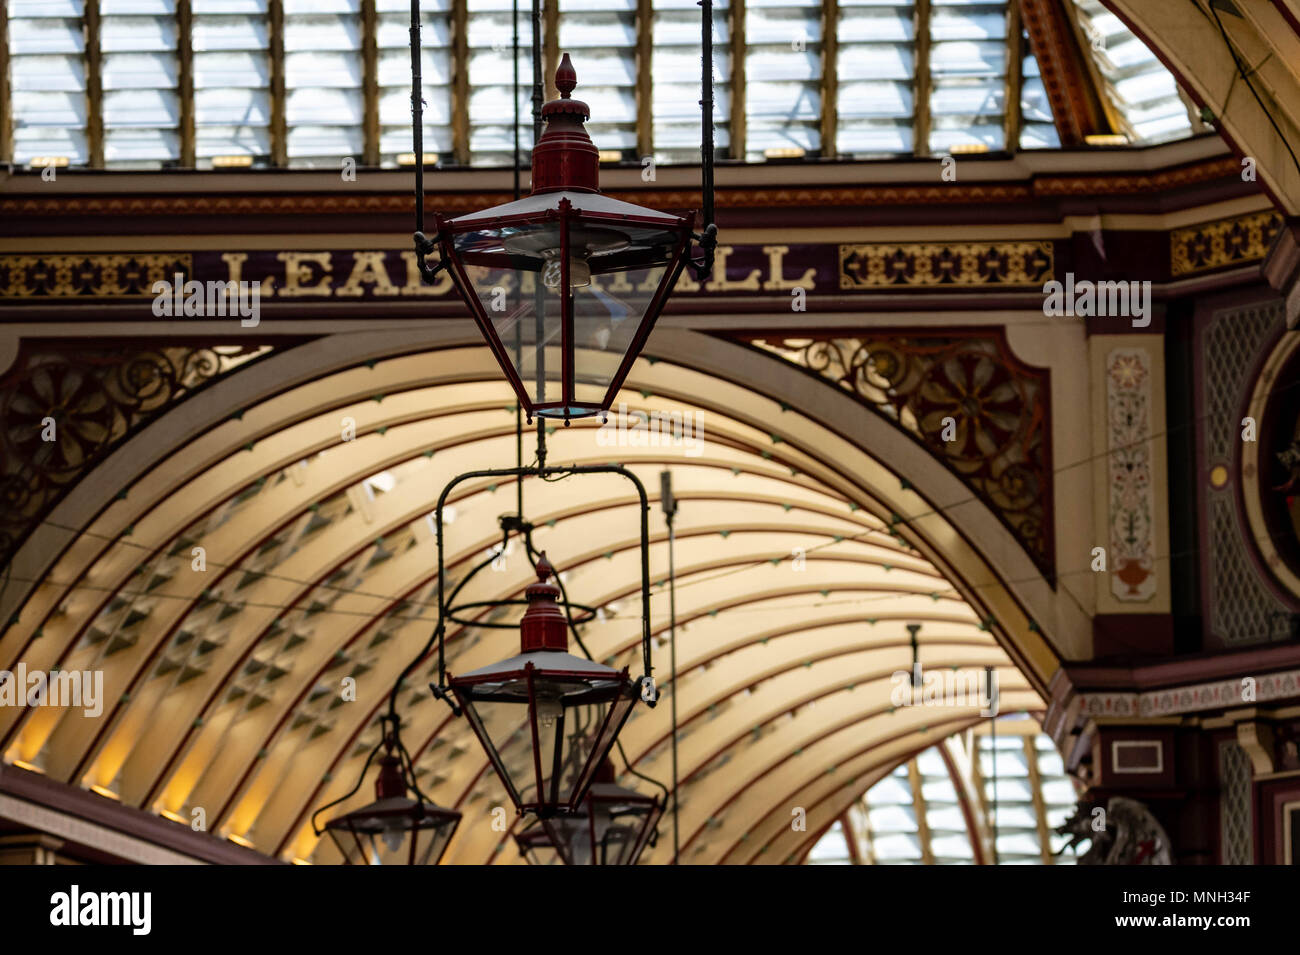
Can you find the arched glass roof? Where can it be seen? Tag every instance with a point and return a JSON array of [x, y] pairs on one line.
[[938, 807]]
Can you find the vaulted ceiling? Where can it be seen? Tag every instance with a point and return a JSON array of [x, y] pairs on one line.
[[226, 676]]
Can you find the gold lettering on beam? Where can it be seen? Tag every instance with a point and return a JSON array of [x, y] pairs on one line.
[[367, 267], [719, 281], [777, 280], [234, 264], [415, 285], [297, 270]]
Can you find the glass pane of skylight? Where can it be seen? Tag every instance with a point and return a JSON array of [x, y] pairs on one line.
[[675, 89], [876, 69], [782, 78], [491, 77], [322, 78], [232, 80], [139, 69], [47, 80], [1037, 127], [968, 64], [1137, 84], [393, 38], [600, 36]]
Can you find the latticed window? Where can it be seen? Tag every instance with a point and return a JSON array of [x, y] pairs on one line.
[[203, 83]]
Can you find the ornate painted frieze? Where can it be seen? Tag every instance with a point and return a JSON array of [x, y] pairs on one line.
[[63, 408], [1222, 694], [91, 276], [967, 399], [926, 264], [1132, 496], [1214, 245]]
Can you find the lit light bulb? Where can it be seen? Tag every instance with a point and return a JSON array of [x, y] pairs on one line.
[[393, 839], [548, 711], [579, 272]]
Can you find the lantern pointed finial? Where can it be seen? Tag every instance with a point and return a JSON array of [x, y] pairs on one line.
[[566, 77], [544, 569]]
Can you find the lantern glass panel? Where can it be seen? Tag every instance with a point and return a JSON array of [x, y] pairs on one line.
[[392, 832], [550, 761], [606, 317]]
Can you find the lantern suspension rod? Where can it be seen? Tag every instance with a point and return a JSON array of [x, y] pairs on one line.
[[708, 238], [539, 293], [514, 89], [993, 745], [669, 504], [706, 110], [417, 115], [424, 246]]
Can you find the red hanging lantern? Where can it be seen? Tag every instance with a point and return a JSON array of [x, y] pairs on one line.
[[566, 283], [546, 718], [613, 826], [394, 829]]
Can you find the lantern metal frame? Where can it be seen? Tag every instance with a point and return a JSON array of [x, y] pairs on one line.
[[566, 215]]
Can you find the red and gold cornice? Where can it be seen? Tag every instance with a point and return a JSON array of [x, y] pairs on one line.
[[806, 197]]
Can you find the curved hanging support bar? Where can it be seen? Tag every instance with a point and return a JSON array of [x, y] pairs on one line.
[[353, 791], [648, 693]]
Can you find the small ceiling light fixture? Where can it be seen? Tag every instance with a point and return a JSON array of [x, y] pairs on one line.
[[408, 159], [394, 829], [784, 152], [571, 709], [1106, 139]]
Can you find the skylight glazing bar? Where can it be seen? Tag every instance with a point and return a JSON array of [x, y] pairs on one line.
[[830, 75], [185, 80], [94, 87]]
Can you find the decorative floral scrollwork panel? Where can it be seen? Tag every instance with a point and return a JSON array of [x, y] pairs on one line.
[[965, 397], [63, 408]]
